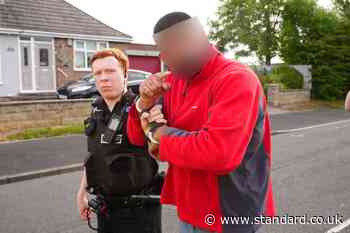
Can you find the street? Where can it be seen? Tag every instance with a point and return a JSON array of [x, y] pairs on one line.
[[310, 176], [200, 86]]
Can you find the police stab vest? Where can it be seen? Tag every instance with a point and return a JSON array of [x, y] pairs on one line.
[[114, 166]]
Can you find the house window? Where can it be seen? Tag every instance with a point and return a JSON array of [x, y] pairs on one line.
[[83, 52], [44, 57], [25, 56]]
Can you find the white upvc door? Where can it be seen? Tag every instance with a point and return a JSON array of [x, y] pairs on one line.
[[37, 66]]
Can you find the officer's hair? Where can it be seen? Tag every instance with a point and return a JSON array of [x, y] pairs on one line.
[[113, 52]]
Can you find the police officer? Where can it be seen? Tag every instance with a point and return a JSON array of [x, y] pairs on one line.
[[114, 169]]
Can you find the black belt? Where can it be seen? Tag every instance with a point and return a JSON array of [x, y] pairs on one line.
[[131, 201]]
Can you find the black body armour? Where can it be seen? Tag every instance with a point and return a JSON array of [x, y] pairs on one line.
[[115, 166]]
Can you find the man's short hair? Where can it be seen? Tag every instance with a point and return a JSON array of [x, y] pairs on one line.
[[113, 52], [169, 20]]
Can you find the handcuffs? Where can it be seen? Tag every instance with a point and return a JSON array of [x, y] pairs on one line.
[[152, 127]]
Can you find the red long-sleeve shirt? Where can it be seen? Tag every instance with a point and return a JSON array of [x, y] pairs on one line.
[[218, 147]]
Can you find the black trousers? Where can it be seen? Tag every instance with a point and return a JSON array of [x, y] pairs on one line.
[[132, 216]]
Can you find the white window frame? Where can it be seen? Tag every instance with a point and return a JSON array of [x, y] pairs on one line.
[[85, 51]]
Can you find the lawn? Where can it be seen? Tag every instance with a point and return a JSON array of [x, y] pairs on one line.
[[47, 132]]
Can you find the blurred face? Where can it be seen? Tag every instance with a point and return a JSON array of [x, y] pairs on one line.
[[109, 76], [177, 54], [183, 49]]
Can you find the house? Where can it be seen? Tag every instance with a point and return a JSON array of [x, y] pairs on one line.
[[47, 43]]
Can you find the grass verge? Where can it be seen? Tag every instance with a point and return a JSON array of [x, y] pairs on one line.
[[316, 104], [47, 132]]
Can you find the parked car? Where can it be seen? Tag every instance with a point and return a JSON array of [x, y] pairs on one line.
[[86, 87]]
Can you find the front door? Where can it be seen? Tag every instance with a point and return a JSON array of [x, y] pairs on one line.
[[37, 66], [43, 67], [26, 64]]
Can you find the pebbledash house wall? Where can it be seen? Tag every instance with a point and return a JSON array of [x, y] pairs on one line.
[[65, 71]]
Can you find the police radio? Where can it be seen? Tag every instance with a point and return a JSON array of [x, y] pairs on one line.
[[113, 126]]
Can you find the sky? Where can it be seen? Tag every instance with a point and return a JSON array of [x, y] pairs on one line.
[[137, 17]]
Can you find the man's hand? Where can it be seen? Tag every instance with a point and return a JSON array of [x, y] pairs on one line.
[[152, 88]]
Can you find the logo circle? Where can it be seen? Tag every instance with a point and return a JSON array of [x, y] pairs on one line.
[[209, 219]]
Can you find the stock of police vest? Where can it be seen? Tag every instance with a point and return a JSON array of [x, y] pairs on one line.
[[114, 166]]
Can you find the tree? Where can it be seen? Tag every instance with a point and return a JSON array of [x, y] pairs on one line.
[[318, 37], [343, 7], [301, 27], [253, 23]]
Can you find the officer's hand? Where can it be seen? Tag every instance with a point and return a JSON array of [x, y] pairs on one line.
[[154, 115], [152, 88], [82, 203]]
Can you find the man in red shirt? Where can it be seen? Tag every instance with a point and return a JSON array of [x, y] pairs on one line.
[[217, 140]]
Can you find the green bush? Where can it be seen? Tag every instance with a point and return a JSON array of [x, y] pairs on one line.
[[329, 83], [287, 76], [265, 80]]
